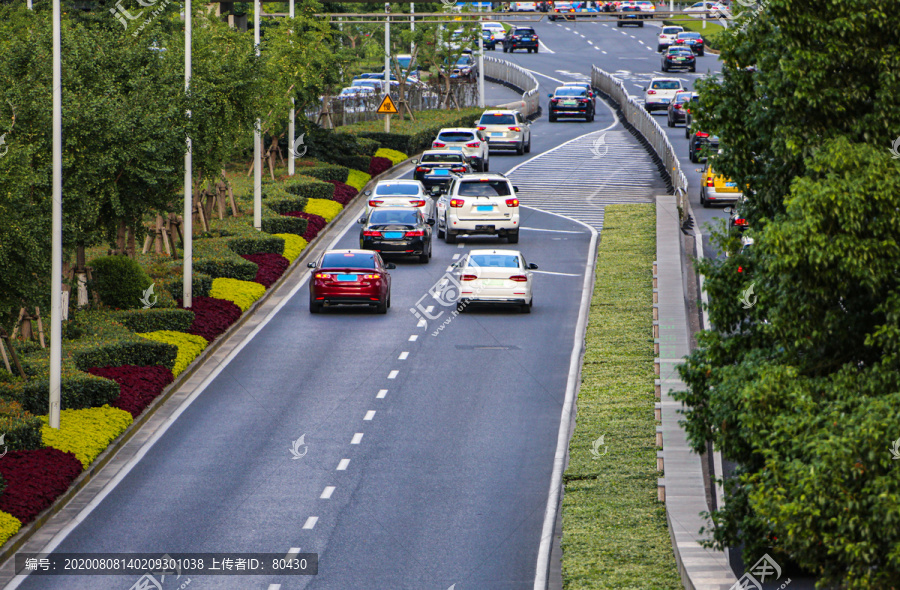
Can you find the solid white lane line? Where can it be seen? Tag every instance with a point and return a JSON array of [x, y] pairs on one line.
[[414, 337], [562, 274], [455, 256], [357, 438], [556, 231], [448, 269], [422, 323], [403, 356], [326, 493], [381, 393], [342, 466], [369, 415], [311, 522], [393, 374]]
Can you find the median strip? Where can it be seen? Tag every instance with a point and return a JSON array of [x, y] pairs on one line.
[[614, 529]]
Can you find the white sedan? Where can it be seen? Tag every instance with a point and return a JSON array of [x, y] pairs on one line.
[[660, 92], [400, 193], [710, 9], [494, 276]]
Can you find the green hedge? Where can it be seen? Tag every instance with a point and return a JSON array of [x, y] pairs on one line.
[[287, 204], [284, 225], [151, 320], [328, 172], [77, 390], [22, 429], [311, 188], [201, 284], [355, 162], [260, 243], [120, 281], [213, 257]]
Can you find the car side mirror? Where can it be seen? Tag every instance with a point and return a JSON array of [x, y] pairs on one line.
[[515, 189], [728, 210], [430, 222], [361, 220], [532, 266], [415, 160], [368, 193], [311, 264], [549, 95], [390, 266]]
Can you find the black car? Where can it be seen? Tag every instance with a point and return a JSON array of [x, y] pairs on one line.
[[437, 168], [520, 38], [631, 15], [571, 101], [676, 111], [691, 40], [700, 145], [688, 116], [678, 58], [397, 230]]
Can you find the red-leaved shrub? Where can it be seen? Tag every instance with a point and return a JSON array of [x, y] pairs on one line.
[[343, 193], [34, 479], [315, 223], [271, 267], [138, 386], [212, 316], [379, 165]]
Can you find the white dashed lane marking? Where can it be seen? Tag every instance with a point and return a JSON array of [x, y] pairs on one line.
[[381, 393], [369, 415], [414, 337], [357, 438], [311, 522], [342, 466], [326, 493], [403, 356], [393, 374]]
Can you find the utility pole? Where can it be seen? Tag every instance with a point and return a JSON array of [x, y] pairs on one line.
[[291, 129], [387, 61]]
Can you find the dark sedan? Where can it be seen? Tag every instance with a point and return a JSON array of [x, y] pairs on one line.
[[397, 230], [701, 145], [350, 277], [692, 40], [437, 168], [678, 57], [676, 112], [571, 101]]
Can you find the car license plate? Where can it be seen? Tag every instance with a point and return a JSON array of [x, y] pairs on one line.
[[441, 172], [348, 278], [731, 184], [493, 282], [679, 59], [496, 134], [665, 100], [455, 148], [484, 208], [568, 102], [393, 235], [526, 38], [484, 228]]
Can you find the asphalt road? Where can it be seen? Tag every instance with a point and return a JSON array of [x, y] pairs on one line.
[[568, 51]]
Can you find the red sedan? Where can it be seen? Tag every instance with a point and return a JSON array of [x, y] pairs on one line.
[[350, 277]]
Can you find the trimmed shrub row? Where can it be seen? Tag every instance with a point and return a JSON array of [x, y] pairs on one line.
[[138, 385], [271, 267], [212, 316]]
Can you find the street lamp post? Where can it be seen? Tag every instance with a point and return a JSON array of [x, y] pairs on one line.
[[291, 129], [257, 140], [187, 282], [387, 61], [56, 238]]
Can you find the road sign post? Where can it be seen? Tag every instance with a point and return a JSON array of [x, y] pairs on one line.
[[387, 108]]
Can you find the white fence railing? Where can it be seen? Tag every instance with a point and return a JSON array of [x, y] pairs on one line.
[[514, 75], [649, 129]]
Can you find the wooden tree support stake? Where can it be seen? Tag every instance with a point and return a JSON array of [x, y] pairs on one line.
[[5, 359], [40, 323], [12, 352]]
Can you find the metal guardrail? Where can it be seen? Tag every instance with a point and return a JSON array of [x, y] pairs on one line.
[[518, 77], [649, 129]]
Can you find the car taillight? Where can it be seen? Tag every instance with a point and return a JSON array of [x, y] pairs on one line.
[[460, 169], [371, 233], [554, 100], [512, 202], [474, 144], [519, 278], [323, 275], [535, 37], [438, 144], [677, 106], [584, 100], [422, 169], [710, 181], [456, 202], [469, 277], [702, 134], [651, 92], [740, 221], [375, 203], [481, 128], [514, 128], [418, 233], [371, 277], [417, 203]]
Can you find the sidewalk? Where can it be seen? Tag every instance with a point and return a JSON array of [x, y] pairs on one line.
[[682, 488]]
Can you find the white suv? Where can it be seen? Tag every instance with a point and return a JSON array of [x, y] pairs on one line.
[[471, 142], [660, 92], [483, 204], [506, 129], [667, 36]]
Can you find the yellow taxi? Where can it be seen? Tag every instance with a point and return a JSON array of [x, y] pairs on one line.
[[716, 188]]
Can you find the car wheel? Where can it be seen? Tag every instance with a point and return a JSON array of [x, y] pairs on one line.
[[460, 305], [423, 257], [701, 53], [389, 300], [687, 132], [381, 307], [504, 49], [512, 237], [659, 48], [703, 200], [450, 237], [536, 49], [670, 122], [591, 120], [440, 234], [641, 24], [694, 69], [647, 107], [486, 166], [664, 68], [527, 307], [314, 306], [552, 119], [528, 146], [619, 25], [691, 155], [520, 149]]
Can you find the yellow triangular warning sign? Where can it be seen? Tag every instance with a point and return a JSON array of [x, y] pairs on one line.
[[387, 106]]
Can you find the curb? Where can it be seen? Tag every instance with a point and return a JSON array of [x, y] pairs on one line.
[[15, 542]]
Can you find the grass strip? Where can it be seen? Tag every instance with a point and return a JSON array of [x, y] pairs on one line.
[[614, 529]]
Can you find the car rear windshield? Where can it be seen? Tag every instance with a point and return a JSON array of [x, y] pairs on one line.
[[456, 136], [485, 188], [498, 119], [671, 30], [682, 50], [571, 91], [666, 85], [495, 260], [524, 32], [401, 216], [397, 189], [443, 158], [682, 98], [348, 260], [688, 35]]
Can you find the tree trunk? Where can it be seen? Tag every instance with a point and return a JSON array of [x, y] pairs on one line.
[[81, 275]]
